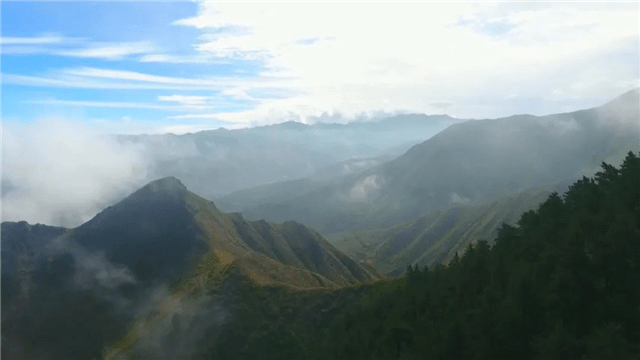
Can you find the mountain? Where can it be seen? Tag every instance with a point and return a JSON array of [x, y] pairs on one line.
[[22, 241], [216, 162], [67, 293], [162, 229], [435, 237], [290, 189], [277, 191], [515, 299], [469, 163], [352, 166], [563, 284]]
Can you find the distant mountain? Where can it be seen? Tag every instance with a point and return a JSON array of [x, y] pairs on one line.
[[215, 162], [277, 191], [66, 293], [468, 163], [353, 166], [437, 236], [290, 189]]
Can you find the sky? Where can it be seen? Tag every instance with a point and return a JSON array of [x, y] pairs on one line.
[[158, 67], [73, 72]]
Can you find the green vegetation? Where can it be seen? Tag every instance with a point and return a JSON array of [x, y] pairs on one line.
[[435, 237], [277, 322], [562, 284]]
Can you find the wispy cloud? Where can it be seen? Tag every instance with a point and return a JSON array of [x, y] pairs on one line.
[[185, 106], [74, 47], [184, 99], [182, 59], [38, 40], [79, 82], [89, 77], [110, 51]]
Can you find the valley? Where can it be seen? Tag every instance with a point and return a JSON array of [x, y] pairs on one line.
[[164, 274], [197, 180]]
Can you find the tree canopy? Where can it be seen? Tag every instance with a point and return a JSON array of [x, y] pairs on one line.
[[563, 283]]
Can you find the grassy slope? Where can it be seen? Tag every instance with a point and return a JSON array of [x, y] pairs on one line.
[[255, 321], [435, 237]]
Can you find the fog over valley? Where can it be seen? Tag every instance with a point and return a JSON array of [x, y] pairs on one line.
[[320, 180]]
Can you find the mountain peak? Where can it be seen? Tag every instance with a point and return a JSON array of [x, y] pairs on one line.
[[630, 98], [167, 184]]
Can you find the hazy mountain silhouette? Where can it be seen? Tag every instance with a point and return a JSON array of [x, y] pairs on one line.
[[215, 162], [468, 163]]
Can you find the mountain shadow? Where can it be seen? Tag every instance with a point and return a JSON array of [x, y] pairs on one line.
[[68, 293]]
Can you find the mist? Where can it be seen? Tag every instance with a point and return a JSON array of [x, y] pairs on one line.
[[59, 172]]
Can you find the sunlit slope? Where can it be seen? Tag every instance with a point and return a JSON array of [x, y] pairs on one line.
[[435, 237]]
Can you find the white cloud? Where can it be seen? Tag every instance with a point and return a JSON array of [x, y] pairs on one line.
[[99, 78], [355, 57], [363, 189], [181, 59], [90, 72], [467, 59], [63, 172], [37, 40], [184, 99], [457, 199], [54, 44], [183, 106], [109, 51]]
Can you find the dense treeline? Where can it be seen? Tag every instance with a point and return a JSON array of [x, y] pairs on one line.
[[562, 284]]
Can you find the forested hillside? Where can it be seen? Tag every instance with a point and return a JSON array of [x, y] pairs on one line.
[[435, 237], [562, 284]]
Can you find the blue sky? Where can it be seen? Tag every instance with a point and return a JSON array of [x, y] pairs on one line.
[[130, 67], [48, 39]]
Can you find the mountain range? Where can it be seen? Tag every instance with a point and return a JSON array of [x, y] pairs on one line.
[[266, 270], [469, 163], [216, 162]]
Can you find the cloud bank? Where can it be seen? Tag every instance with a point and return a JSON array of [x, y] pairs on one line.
[[58, 172], [415, 57]]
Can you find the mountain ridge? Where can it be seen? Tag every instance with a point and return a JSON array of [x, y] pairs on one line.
[[468, 163], [161, 252]]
